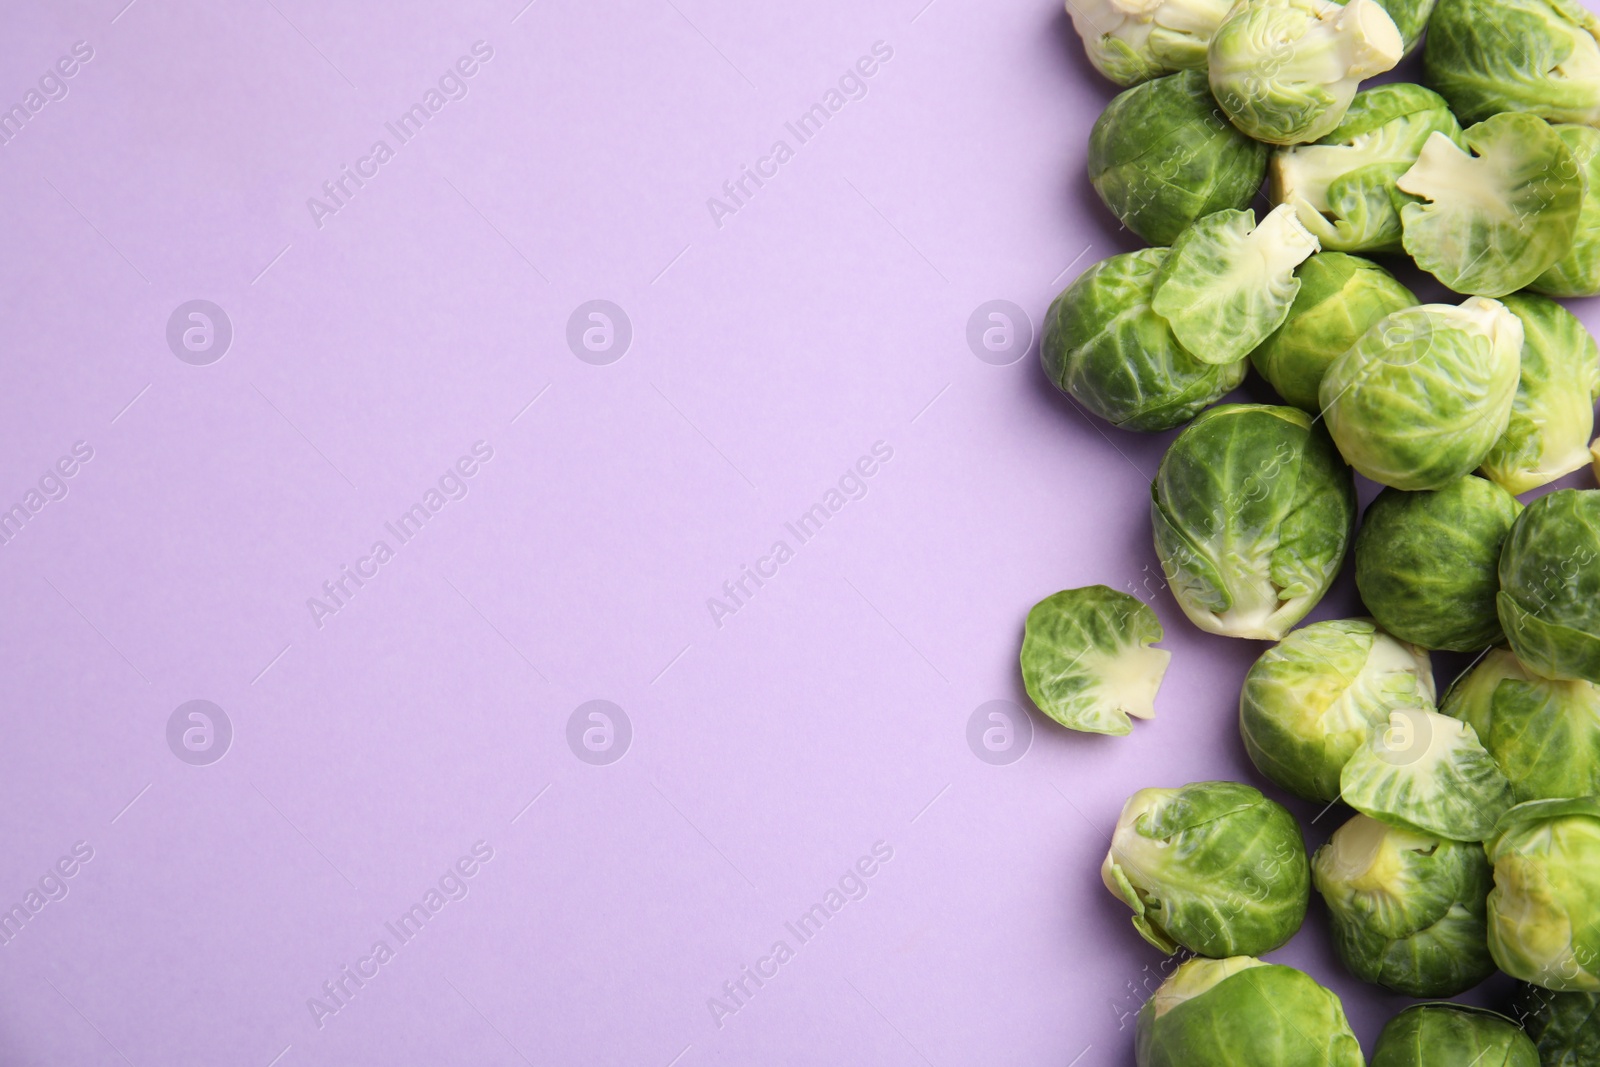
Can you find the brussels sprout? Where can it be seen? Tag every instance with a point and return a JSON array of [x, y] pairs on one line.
[[1408, 909], [1342, 187], [1427, 773], [1213, 867], [1577, 273], [1087, 660], [1544, 910], [1549, 596], [1423, 396], [1229, 282], [1286, 70], [1103, 345], [1453, 1035], [1495, 220], [1252, 513], [1552, 414], [1130, 41], [1161, 155], [1539, 56], [1311, 700], [1543, 734], [1427, 564], [1564, 1026], [1242, 1012], [1410, 18], [1340, 298]]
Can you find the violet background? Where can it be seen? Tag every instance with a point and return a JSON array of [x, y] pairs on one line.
[[768, 354]]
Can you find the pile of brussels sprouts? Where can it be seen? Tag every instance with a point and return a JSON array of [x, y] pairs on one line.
[[1475, 839]]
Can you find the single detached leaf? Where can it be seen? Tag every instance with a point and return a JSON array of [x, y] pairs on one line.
[[1230, 282], [1342, 187], [1087, 660], [1429, 773], [1492, 220]]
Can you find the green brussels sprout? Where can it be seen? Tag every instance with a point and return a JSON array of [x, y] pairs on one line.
[[1565, 1027], [1549, 596], [1103, 345], [1427, 773], [1492, 220], [1311, 700], [1544, 735], [1340, 298], [1241, 1012], [1453, 1035], [1410, 18], [1427, 563], [1408, 910], [1552, 414], [1213, 867], [1130, 41], [1423, 396], [1161, 155], [1577, 273], [1539, 56], [1286, 70], [1229, 282], [1544, 909], [1087, 661], [1252, 511], [1343, 186]]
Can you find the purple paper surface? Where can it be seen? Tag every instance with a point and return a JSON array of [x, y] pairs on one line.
[[401, 347]]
